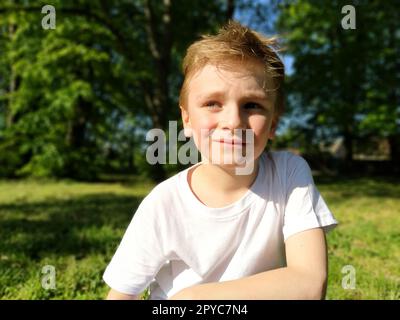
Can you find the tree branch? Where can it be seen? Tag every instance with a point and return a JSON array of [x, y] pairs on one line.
[[84, 13], [151, 30]]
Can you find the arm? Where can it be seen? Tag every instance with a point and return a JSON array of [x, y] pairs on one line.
[[304, 277], [115, 295]]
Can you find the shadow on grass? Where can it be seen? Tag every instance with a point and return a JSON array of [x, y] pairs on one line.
[[90, 224], [355, 185]]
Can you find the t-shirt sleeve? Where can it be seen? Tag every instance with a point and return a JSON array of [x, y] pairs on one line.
[[305, 208], [139, 256]]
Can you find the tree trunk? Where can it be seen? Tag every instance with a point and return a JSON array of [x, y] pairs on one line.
[[157, 99], [12, 85], [230, 9], [131, 153], [348, 144], [394, 97], [394, 142], [77, 125]]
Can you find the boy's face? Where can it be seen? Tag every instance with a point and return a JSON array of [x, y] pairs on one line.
[[222, 103]]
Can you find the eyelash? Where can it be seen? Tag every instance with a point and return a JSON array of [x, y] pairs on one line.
[[213, 103], [254, 103], [210, 103]]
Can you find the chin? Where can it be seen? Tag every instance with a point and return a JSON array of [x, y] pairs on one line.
[[230, 160]]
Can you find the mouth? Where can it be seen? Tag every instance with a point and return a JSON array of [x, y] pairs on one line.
[[231, 142]]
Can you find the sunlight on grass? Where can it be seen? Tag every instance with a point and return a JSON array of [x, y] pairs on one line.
[[76, 228], [368, 237]]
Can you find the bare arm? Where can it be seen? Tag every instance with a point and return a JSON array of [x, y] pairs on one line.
[[115, 295], [304, 277]]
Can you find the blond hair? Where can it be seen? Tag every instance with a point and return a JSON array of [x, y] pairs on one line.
[[235, 42]]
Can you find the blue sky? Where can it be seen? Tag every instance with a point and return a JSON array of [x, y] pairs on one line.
[[264, 23], [266, 26]]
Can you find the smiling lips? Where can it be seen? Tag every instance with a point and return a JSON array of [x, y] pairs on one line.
[[231, 142]]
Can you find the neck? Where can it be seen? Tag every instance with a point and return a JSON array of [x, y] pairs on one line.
[[225, 179]]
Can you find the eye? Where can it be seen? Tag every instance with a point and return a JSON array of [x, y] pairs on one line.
[[253, 106], [211, 104]]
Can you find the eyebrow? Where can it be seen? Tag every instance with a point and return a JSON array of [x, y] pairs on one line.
[[257, 96], [249, 95], [209, 95]]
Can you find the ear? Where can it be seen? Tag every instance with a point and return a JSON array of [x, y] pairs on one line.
[[186, 121], [272, 130]]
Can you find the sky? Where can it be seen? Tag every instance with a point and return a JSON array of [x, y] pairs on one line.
[[265, 26]]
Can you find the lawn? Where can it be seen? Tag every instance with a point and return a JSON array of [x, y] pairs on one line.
[[76, 227], [368, 238]]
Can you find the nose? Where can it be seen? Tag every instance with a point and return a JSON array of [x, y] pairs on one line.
[[232, 118]]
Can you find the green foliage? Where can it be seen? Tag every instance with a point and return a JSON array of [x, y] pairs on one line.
[[346, 81], [74, 100]]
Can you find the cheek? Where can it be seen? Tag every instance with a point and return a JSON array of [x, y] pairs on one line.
[[202, 126], [260, 126], [202, 123]]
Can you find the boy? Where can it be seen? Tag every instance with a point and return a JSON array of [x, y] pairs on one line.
[[209, 232]]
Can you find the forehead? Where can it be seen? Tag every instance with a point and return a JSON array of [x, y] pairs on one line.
[[237, 78]]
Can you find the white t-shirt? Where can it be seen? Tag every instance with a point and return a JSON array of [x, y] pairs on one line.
[[174, 241]]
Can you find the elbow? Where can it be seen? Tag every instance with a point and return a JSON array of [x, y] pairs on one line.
[[318, 292], [316, 289], [115, 295], [313, 284]]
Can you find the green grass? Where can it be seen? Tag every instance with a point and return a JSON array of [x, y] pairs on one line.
[[76, 228], [368, 237]]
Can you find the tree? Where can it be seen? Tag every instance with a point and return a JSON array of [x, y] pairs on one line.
[[105, 61], [345, 80]]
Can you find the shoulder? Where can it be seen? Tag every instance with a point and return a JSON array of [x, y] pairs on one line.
[[287, 161], [289, 169], [157, 208], [165, 194]]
